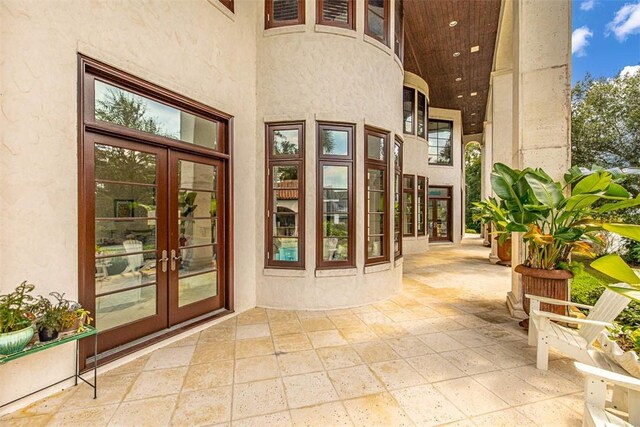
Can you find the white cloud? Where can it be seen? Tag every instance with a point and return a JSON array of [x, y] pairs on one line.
[[579, 40], [587, 4], [626, 22], [630, 70]]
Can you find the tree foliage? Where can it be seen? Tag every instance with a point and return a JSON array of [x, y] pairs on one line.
[[472, 181]]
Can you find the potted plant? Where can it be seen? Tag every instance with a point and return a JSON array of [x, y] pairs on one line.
[[49, 321], [559, 218], [493, 212], [16, 319]]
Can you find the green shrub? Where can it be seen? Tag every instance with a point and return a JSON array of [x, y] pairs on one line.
[[471, 231], [633, 252]]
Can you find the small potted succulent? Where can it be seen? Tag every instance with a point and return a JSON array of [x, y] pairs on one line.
[[16, 319], [61, 315]]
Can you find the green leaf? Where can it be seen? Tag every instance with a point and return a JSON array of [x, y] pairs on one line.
[[501, 187], [614, 266], [592, 184], [515, 227], [568, 234], [632, 293], [617, 190], [581, 201], [623, 204], [547, 193], [630, 231]]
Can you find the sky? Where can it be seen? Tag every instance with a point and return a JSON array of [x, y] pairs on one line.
[[606, 38]]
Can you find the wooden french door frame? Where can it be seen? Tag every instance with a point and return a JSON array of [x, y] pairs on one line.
[[88, 70], [432, 207]]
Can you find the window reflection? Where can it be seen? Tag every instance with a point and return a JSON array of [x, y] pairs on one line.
[[440, 142]]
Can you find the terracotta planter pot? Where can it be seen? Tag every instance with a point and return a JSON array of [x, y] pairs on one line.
[[545, 283], [504, 251]]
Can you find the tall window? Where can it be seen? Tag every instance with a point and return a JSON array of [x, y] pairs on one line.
[[377, 210], [408, 108], [399, 30], [285, 195], [335, 246], [440, 141], [408, 205], [337, 13], [421, 202], [280, 13], [422, 113], [397, 199], [439, 213], [377, 20]]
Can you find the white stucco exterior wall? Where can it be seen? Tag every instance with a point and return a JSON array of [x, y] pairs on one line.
[[190, 47]]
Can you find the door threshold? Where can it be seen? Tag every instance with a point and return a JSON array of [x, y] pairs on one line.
[[149, 340]]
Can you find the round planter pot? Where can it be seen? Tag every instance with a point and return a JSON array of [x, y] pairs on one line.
[[504, 252], [627, 359], [46, 334], [13, 342], [545, 283]]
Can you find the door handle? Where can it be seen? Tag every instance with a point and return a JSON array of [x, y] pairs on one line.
[[174, 258], [164, 260]]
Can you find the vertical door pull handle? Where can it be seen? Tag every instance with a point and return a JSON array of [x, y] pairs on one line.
[[164, 260], [174, 258]]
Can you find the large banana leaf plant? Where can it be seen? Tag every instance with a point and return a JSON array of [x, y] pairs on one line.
[[559, 218], [493, 211]]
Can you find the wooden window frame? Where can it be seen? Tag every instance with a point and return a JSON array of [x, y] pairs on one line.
[[399, 37], [429, 144], [423, 116], [271, 161], [382, 165], [268, 15], [385, 39], [421, 207], [413, 111], [412, 192], [449, 199], [351, 16], [336, 160], [228, 4], [397, 186]]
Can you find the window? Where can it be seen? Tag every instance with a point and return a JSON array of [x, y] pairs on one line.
[[408, 205], [280, 13], [228, 4], [397, 202], [408, 104], [377, 20], [285, 195], [439, 214], [399, 30], [377, 210], [421, 201], [422, 113], [337, 13], [335, 246], [440, 138]]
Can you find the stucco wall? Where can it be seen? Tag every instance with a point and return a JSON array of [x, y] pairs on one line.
[[315, 73], [190, 47]]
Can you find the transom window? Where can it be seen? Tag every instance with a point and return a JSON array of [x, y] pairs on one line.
[[440, 142], [285, 195], [337, 13], [377, 20], [376, 196], [335, 229], [280, 13]]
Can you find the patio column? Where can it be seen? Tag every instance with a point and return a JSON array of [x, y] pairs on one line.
[[541, 98]]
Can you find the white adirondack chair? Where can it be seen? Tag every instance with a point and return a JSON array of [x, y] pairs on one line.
[[576, 343], [595, 395]]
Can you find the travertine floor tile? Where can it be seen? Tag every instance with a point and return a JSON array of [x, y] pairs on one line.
[[409, 346], [470, 338], [505, 418], [434, 367], [213, 351], [209, 375], [375, 351], [355, 334], [502, 357], [113, 389], [548, 382], [256, 369], [339, 357], [300, 362], [327, 414], [203, 407], [346, 321], [148, 412], [258, 330], [469, 362], [317, 324], [160, 382], [309, 389], [170, 357], [95, 416], [426, 406], [285, 327], [187, 341], [510, 388], [278, 419], [253, 316], [254, 347], [135, 366], [330, 338], [217, 333], [551, 413], [291, 342], [396, 374], [441, 342], [376, 410], [355, 381], [35, 421], [258, 398], [470, 397]]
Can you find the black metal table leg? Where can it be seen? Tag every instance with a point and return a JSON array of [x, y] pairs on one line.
[[95, 366]]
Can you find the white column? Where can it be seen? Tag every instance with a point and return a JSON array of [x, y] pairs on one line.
[[541, 97]]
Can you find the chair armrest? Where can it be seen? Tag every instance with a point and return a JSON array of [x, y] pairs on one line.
[[561, 318], [557, 301], [611, 377]]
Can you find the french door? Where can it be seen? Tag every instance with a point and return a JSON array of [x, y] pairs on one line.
[[439, 214], [158, 221]]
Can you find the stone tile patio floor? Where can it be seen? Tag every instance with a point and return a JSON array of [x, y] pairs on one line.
[[442, 351]]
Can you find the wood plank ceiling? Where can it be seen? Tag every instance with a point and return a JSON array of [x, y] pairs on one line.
[[430, 44]]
